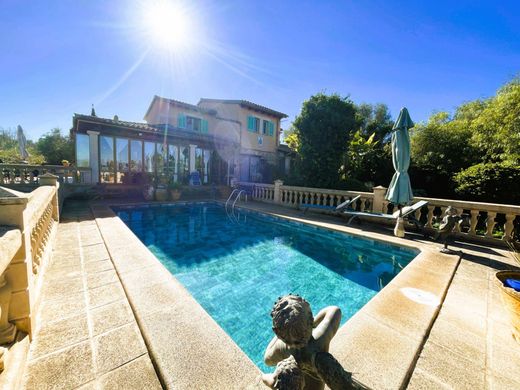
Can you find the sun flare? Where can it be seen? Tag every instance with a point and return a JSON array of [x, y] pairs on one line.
[[168, 25]]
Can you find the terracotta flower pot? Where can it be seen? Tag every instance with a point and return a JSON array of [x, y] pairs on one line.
[[510, 299], [175, 194], [161, 194]]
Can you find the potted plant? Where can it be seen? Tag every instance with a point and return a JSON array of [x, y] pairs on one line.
[[161, 191], [174, 188], [65, 163], [509, 285], [148, 188]]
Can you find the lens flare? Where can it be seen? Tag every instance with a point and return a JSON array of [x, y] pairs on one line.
[[168, 25]]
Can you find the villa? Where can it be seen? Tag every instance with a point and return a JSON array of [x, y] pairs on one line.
[[221, 139]]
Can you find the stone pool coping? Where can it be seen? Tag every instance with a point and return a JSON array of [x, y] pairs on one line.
[[380, 344]]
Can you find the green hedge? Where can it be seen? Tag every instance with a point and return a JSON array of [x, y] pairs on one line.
[[490, 182]]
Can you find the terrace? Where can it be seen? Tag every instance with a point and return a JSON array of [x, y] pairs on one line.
[[89, 292]]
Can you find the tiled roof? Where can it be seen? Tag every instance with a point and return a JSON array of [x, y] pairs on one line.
[[247, 103], [96, 119], [159, 129], [179, 104]]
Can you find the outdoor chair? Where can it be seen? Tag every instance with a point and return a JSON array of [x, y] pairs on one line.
[[406, 212], [195, 178], [338, 209]]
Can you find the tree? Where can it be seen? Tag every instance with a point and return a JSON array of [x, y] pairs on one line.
[[496, 128], [55, 147], [292, 140], [443, 145], [375, 119], [481, 138], [490, 182], [323, 129], [360, 154], [368, 157]]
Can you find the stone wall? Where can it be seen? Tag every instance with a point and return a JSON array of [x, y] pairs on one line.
[[28, 223]]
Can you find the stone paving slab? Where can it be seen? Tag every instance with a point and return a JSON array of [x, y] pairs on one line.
[[87, 335]]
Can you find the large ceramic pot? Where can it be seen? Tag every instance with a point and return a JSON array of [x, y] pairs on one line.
[[510, 299], [161, 194], [148, 192], [175, 194]]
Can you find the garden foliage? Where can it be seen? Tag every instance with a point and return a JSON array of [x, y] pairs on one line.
[[472, 154]]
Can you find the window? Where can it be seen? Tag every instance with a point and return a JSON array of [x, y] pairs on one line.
[[202, 161], [82, 150], [149, 156], [136, 155], [253, 124], [160, 158], [122, 152], [184, 163], [106, 159], [172, 159], [268, 128], [193, 123]]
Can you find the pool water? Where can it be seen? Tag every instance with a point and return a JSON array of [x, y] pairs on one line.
[[236, 267]]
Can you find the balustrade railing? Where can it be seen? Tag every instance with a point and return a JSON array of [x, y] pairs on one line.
[[264, 192], [28, 222], [481, 221], [488, 221], [30, 174], [295, 196]]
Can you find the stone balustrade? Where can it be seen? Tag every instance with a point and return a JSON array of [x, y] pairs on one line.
[[294, 196], [28, 223], [264, 192], [29, 174], [486, 222]]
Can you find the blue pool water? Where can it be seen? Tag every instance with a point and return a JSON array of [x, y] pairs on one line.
[[236, 268]]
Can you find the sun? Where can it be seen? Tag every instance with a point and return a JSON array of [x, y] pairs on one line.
[[168, 24]]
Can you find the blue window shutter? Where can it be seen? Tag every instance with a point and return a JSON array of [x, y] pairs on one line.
[[251, 124], [271, 129], [204, 125], [181, 121]]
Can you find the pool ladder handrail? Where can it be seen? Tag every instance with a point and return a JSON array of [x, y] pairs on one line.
[[231, 196], [237, 198], [231, 212], [238, 193]]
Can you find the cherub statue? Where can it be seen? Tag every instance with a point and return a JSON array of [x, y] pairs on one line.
[[287, 376], [450, 219], [301, 345]]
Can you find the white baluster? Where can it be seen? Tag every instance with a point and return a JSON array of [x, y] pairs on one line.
[[490, 223], [473, 222], [508, 227], [429, 218]]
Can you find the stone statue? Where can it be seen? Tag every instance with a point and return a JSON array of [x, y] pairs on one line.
[[450, 219], [301, 347], [286, 376]]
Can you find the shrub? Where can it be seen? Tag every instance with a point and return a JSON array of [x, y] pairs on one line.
[[490, 182], [352, 184]]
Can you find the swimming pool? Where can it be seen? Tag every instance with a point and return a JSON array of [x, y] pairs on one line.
[[237, 267]]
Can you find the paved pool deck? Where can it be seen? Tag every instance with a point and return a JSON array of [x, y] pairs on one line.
[[111, 317]]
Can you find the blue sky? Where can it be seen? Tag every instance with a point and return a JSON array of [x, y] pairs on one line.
[[59, 57]]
